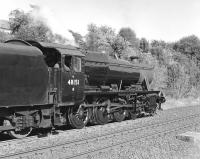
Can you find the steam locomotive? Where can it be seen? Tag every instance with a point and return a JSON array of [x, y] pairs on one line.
[[46, 85]]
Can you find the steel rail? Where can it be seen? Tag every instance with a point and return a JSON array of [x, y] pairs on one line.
[[135, 139], [27, 139], [104, 135]]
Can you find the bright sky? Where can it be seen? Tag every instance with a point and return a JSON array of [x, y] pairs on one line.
[[167, 20]]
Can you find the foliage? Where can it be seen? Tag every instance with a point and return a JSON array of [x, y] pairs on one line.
[[158, 53], [182, 73], [4, 36], [144, 45], [104, 38], [129, 35], [99, 38], [174, 72], [17, 19], [131, 52], [25, 26], [189, 46], [158, 43], [186, 56]]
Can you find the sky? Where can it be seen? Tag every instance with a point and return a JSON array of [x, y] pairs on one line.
[[167, 20]]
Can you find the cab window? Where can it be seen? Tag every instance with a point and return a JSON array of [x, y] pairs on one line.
[[68, 63], [77, 64]]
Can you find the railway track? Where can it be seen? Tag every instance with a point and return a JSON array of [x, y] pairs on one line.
[[91, 142]]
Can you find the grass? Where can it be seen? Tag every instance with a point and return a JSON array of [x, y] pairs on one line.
[[174, 103]]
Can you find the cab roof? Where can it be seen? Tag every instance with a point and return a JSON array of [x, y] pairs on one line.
[[62, 49]]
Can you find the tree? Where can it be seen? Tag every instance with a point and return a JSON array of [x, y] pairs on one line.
[[129, 35], [158, 53], [25, 26], [100, 38], [189, 46], [17, 19], [104, 38], [144, 45], [4, 36], [92, 38], [158, 43]]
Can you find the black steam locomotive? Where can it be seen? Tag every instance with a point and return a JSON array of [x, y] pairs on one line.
[[44, 85]]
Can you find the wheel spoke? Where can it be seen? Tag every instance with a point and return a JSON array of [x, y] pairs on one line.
[[119, 115], [101, 117], [78, 117], [100, 113]]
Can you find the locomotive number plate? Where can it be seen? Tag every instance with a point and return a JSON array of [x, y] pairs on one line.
[[74, 82]]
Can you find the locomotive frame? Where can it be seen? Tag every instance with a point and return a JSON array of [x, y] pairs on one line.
[[70, 99]]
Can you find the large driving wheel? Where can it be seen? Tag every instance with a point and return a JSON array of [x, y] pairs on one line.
[[101, 113], [119, 115], [78, 116]]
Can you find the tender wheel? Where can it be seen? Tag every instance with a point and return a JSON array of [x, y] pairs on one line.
[[119, 115], [101, 113], [20, 134], [78, 117]]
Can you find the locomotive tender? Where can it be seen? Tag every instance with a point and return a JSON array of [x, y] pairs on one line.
[[45, 85]]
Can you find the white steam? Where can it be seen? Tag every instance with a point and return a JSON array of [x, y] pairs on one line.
[[44, 14]]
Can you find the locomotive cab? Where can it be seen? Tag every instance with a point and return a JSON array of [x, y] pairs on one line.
[[65, 70], [72, 78]]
